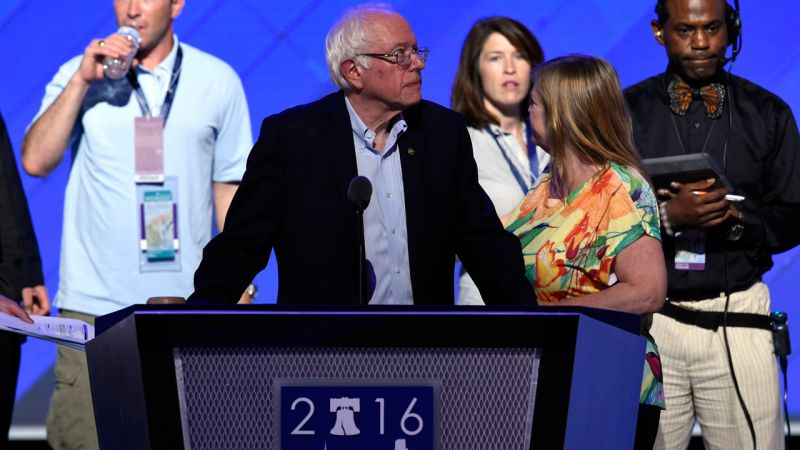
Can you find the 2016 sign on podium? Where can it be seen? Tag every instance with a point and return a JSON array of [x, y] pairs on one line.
[[357, 417]]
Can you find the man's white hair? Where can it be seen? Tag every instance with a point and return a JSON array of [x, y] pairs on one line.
[[348, 37]]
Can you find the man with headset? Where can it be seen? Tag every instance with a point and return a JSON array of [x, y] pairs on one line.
[[716, 347]]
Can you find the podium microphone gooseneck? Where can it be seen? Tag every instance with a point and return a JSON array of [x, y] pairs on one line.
[[359, 193]]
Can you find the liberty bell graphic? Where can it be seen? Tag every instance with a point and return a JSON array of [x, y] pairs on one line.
[[345, 408]]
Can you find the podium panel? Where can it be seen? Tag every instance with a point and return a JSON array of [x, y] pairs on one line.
[[483, 394], [394, 378]]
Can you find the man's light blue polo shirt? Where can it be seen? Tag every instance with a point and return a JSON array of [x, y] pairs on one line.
[[206, 138]]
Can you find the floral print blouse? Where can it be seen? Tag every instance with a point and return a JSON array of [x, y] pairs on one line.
[[570, 246]]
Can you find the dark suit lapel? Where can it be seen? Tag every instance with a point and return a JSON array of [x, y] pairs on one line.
[[341, 158], [412, 154]]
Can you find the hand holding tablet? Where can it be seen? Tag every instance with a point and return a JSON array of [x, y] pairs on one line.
[[688, 169]]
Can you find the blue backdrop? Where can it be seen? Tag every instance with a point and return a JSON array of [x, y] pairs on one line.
[[277, 47]]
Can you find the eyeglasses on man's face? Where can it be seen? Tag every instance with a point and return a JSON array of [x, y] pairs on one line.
[[401, 57]]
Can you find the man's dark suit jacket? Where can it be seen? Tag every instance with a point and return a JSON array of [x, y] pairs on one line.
[[293, 198], [20, 266]]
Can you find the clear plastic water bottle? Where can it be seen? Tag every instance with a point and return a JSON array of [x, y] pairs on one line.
[[116, 68]]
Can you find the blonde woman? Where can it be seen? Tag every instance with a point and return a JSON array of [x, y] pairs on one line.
[[590, 228]]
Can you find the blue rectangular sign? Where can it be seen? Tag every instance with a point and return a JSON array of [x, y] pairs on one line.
[[357, 417]]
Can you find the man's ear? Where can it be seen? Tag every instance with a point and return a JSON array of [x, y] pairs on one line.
[[176, 8], [658, 32], [352, 73]]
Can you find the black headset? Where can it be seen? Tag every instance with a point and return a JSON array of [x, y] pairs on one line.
[[734, 23]]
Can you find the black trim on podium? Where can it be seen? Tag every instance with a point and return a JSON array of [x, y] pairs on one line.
[[133, 377]]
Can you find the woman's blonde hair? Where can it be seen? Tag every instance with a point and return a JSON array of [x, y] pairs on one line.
[[584, 109]]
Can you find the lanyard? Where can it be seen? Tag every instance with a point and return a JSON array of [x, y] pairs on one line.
[[532, 158], [173, 86]]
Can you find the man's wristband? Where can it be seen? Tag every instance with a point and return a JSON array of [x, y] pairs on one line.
[[662, 208]]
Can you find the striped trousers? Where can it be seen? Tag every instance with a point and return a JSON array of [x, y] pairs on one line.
[[698, 383]]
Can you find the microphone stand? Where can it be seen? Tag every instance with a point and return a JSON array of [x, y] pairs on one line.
[[359, 193], [362, 259]]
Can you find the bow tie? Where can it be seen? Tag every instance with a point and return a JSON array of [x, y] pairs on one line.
[[681, 96]]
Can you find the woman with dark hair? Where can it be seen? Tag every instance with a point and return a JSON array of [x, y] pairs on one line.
[[590, 229], [491, 91]]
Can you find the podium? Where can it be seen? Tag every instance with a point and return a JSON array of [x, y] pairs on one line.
[[272, 377]]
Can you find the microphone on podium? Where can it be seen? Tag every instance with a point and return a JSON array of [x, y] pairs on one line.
[[359, 193]]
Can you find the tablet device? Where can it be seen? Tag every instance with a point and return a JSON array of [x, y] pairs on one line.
[[685, 169]]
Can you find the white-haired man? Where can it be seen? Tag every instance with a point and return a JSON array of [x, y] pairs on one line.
[[426, 205]]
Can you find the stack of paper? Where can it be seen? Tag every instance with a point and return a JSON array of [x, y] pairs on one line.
[[70, 332]]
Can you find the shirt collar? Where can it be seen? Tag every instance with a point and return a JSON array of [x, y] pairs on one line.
[[168, 63], [363, 133], [720, 76], [497, 131]]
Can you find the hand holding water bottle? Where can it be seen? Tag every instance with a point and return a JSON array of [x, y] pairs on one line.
[[115, 67], [109, 57]]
